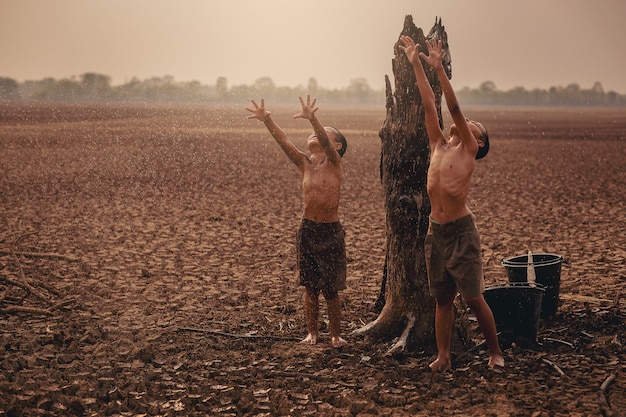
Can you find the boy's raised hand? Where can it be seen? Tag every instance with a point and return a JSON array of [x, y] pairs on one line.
[[308, 109], [410, 48], [258, 112], [435, 53]]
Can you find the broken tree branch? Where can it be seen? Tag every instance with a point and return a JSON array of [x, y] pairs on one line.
[[604, 403], [555, 366], [608, 381], [40, 255], [563, 342], [237, 336], [21, 309], [61, 304], [25, 286]]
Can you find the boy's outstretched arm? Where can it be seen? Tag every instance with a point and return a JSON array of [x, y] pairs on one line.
[[308, 112], [297, 157], [435, 53], [428, 97]]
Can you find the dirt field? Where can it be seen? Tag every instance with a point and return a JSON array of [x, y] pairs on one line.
[[147, 255]]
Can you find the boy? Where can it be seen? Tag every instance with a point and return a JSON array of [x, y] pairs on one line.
[[321, 237], [452, 244]]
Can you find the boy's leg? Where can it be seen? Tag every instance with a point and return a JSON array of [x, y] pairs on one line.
[[487, 325], [311, 314], [334, 317], [444, 321]]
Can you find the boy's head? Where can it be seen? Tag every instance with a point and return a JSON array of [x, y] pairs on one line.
[[335, 137], [482, 138], [340, 139]]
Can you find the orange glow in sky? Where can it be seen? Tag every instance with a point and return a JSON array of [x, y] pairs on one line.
[[531, 43]]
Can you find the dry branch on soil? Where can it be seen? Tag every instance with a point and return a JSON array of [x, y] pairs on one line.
[[607, 409], [39, 255], [237, 336], [40, 291]]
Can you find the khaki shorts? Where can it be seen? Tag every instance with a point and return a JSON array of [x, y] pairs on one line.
[[453, 259], [321, 256]]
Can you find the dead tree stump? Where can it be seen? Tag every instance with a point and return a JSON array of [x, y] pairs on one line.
[[408, 310]]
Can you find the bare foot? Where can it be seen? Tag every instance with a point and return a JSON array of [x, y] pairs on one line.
[[440, 365], [310, 339], [337, 342], [496, 359]]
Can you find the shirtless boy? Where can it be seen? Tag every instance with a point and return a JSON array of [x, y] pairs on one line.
[[321, 237], [452, 244]]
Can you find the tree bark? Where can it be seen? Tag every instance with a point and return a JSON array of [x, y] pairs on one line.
[[408, 309]]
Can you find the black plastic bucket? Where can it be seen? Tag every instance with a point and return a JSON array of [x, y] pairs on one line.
[[547, 273], [516, 308]]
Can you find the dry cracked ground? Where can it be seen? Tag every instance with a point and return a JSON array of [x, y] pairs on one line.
[[147, 253]]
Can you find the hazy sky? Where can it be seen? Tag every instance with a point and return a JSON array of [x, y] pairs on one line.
[[530, 43]]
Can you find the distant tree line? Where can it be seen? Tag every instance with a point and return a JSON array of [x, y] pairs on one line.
[[93, 87], [571, 95]]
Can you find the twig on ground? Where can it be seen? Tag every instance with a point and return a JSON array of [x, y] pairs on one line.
[[550, 339], [237, 336], [48, 288], [19, 264], [24, 285], [608, 381], [20, 237], [34, 310], [604, 404], [291, 374], [552, 364], [61, 304], [40, 255], [21, 309]]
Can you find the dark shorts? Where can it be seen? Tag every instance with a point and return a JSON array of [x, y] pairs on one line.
[[453, 259], [321, 252]]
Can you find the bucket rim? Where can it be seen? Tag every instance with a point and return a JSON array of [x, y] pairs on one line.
[[508, 260]]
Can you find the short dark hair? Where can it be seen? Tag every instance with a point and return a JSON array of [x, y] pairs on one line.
[[484, 136], [341, 139]]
